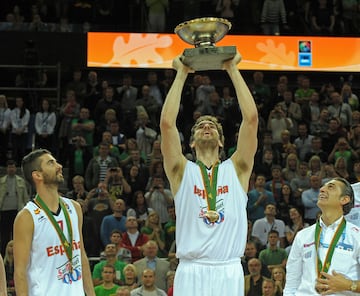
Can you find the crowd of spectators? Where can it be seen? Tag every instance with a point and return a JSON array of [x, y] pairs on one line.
[[107, 138], [273, 17]]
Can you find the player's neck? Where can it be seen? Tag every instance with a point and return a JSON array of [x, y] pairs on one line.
[[330, 217], [50, 196], [208, 159]]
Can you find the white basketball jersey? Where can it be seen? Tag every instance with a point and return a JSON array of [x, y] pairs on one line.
[[49, 270], [354, 215], [196, 237]]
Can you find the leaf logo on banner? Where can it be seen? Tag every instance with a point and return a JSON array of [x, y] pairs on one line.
[[276, 54], [140, 49]]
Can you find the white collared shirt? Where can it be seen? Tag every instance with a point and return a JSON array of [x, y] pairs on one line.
[[301, 265], [262, 227]]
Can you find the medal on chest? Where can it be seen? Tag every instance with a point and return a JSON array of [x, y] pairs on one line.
[[210, 184], [66, 243]]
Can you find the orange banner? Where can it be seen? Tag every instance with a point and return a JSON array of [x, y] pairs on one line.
[[300, 53]]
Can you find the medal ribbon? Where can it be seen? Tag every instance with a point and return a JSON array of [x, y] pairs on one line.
[[326, 265], [210, 184], [67, 244]]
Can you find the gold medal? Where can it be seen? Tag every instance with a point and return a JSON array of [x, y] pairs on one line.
[[212, 216]]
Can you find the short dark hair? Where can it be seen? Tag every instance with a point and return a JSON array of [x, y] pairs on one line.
[[273, 231], [108, 265], [31, 162], [116, 231], [347, 191], [276, 167], [11, 162]]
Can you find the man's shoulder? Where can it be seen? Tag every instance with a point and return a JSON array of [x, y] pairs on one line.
[[248, 276], [269, 193], [140, 261], [306, 231], [109, 217], [263, 252], [19, 178], [280, 222], [161, 292], [252, 192], [139, 291], [162, 262], [119, 264], [259, 226], [99, 265], [353, 228], [307, 191], [282, 251], [260, 221]]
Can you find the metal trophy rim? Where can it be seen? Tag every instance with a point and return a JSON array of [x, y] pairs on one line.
[[204, 20]]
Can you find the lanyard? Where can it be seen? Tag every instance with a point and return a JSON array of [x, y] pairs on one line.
[[210, 184], [67, 244], [324, 266]]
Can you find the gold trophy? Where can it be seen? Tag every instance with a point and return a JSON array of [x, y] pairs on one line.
[[203, 33]]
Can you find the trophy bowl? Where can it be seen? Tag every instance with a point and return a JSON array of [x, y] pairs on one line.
[[203, 33]]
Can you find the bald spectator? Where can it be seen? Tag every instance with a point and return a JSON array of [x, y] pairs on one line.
[[148, 287], [132, 239], [263, 226], [254, 280], [151, 261]]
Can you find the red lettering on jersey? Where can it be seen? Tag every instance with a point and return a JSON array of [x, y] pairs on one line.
[[59, 249], [61, 224], [50, 251], [199, 192]]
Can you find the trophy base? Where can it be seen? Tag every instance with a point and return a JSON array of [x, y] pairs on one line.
[[207, 57]]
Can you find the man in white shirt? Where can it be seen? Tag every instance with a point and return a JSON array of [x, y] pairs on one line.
[[262, 227], [331, 245]]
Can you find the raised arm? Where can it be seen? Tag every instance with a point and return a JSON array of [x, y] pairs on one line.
[[243, 157], [174, 160]]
